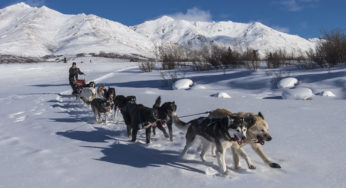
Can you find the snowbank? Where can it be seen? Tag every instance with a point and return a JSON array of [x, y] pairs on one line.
[[328, 94], [297, 94], [223, 95], [287, 83], [182, 84], [195, 87]]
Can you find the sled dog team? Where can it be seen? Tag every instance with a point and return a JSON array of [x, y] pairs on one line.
[[219, 131]]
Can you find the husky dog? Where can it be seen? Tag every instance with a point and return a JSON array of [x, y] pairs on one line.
[[101, 90], [99, 107], [88, 93], [141, 117], [131, 99], [110, 94], [165, 112], [120, 103], [136, 116], [77, 91], [257, 134], [90, 84], [221, 132]]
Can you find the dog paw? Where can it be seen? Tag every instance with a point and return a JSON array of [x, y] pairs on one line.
[[237, 167], [274, 165], [252, 167], [223, 173]]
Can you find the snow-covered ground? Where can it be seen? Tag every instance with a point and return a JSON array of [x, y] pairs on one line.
[[48, 139]]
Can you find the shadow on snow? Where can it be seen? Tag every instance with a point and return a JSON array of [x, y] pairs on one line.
[[50, 85], [159, 84], [76, 110], [140, 156], [124, 152], [97, 135]]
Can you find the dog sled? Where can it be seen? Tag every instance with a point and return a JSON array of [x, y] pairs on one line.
[[78, 85]]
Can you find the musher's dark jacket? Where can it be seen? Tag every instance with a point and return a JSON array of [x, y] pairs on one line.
[[74, 74]]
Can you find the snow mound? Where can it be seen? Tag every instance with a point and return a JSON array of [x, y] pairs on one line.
[[287, 83], [297, 94], [199, 87], [328, 94], [182, 84], [223, 95]]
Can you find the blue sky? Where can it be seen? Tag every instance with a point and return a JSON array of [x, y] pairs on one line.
[[307, 18]]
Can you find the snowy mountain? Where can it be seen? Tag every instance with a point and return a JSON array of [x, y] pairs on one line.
[[237, 35], [33, 31]]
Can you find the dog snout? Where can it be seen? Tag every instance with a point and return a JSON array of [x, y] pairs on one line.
[[269, 138], [243, 137]]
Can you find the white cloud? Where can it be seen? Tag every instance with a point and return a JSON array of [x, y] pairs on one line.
[[292, 5], [298, 5], [193, 14]]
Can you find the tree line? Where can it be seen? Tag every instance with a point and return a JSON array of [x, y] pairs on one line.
[[330, 51]]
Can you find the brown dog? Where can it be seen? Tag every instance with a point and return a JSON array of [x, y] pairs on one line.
[[100, 92], [257, 134]]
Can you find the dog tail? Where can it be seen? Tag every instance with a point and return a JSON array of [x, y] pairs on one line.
[[157, 103], [180, 124]]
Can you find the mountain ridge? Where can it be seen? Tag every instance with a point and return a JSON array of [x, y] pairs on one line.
[[39, 31]]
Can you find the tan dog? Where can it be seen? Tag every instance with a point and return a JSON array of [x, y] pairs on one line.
[[100, 92], [257, 134]]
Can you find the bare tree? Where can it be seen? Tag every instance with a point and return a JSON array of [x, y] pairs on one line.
[[332, 50]]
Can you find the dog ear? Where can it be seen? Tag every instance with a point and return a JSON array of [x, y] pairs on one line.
[[260, 115], [230, 121], [157, 102], [250, 121]]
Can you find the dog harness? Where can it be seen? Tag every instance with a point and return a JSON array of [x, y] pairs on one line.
[[163, 122], [141, 123]]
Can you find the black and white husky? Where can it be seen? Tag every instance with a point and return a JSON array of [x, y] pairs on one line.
[[221, 132], [88, 93], [165, 113], [100, 106]]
